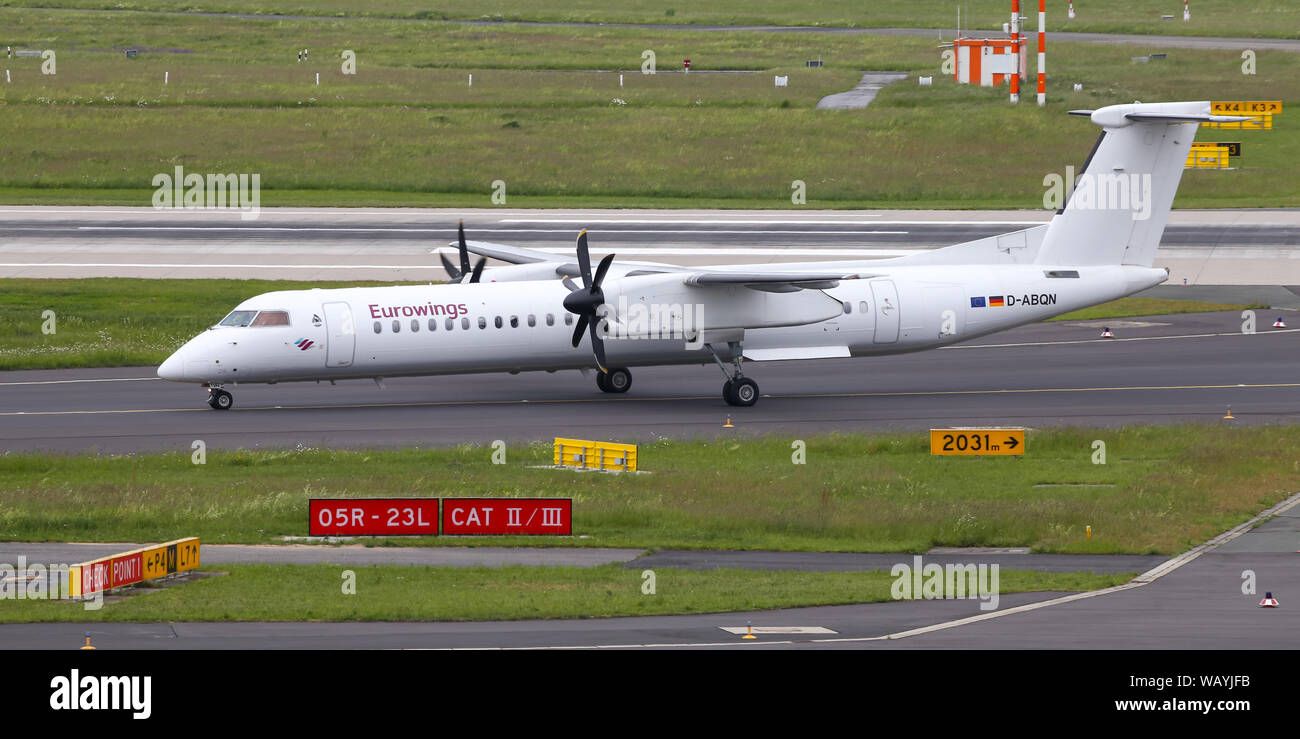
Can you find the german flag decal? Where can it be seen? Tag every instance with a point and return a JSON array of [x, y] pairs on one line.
[[996, 301]]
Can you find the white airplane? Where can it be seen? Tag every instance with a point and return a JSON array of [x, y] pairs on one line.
[[1097, 248]]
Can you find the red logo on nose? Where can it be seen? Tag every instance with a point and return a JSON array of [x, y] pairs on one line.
[[304, 344]]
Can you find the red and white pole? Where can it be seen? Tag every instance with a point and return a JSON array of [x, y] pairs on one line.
[[1015, 50], [1187, 12], [1042, 52], [1071, 9]]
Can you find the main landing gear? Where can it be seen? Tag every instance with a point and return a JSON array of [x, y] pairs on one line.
[[616, 380], [220, 399], [738, 389]]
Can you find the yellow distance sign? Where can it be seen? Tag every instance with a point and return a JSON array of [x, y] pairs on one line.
[[168, 559], [975, 442], [1229, 107]]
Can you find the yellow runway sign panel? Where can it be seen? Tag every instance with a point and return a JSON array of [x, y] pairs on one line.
[[977, 442]]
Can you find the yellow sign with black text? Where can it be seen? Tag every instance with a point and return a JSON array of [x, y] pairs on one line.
[[976, 442]]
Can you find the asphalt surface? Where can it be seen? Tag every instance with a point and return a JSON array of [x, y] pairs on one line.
[[348, 555], [682, 559], [1199, 606], [1234, 247], [1162, 369]]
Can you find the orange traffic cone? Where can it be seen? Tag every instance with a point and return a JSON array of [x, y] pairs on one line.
[[749, 630], [1269, 601], [1229, 416], [728, 424], [87, 646]]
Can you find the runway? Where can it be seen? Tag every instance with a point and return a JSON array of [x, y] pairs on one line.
[[1161, 369], [1200, 605], [1234, 247]]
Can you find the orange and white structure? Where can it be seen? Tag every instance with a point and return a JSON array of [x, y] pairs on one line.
[[1042, 52], [1015, 45], [1071, 14]]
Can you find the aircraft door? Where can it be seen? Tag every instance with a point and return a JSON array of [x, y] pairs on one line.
[[342, 335], [887, 310]]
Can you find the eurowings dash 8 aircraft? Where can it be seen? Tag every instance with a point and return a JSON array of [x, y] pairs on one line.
[[533, 315]]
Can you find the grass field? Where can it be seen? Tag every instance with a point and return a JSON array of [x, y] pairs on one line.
[[546, 120], [314, 593], [116, 322], [1162, 489], [1125, 307], [1210, 17], [125, 322]]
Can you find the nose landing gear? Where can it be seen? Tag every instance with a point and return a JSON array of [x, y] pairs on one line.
[[220, 399]]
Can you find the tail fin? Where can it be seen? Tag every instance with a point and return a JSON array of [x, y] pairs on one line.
[[1117, 211]]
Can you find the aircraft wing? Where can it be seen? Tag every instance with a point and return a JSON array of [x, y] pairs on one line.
[[752, 277]]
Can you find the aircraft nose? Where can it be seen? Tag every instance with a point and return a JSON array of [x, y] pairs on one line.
[[173, 368]]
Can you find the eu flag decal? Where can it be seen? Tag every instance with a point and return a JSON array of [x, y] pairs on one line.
[[977, 302]]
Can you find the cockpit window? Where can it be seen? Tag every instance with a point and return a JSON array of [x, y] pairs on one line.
[[271, 318], [239, 318]]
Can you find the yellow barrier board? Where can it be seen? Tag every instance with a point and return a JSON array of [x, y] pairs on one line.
[[1261, 122], [1238, 107], [595, 455], [137, 565], [1208, 156], [975, 442]]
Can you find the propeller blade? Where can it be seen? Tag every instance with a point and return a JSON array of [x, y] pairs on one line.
[[601, 269], [452, 272], [573, 287], [584, 259], [578, 330], [478, 270], [598, 346], [464, 251]]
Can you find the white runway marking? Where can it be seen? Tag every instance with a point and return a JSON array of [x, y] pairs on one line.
[[635, 222], [69, 382], [779, 630], [476, 229]]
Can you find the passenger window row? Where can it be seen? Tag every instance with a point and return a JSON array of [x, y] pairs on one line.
[[450, 323]]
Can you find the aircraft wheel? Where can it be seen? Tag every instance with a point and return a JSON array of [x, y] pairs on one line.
[[726, 393], [220, 400], [602, 381], [618, 380], [744, 392]]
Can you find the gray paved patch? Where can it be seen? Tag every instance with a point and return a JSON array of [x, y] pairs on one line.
[[217, 554], [861, 95], [852, 562]]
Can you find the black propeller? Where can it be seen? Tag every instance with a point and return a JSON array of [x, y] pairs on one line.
[[585, 301], [458, 274]]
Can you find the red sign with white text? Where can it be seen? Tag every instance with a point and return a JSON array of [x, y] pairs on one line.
[[127, 569], [373, 517], [95, 576], [503, 516]]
